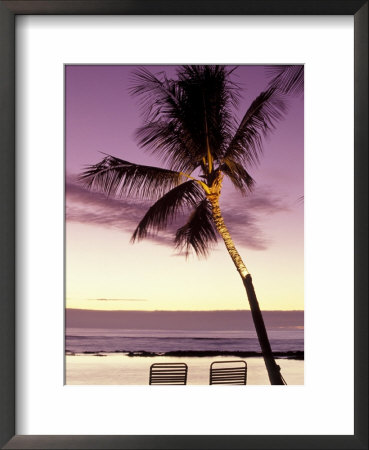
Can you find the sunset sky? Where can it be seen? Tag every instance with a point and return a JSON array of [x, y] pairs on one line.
[[105, 271]]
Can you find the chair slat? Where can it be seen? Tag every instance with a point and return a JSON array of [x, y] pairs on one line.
[[228, 375], [168, 373]]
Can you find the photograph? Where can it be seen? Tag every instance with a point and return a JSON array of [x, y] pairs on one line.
[[184, 224], [184, 203]]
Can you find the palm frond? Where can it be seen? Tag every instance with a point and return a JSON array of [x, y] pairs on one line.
[[184, 117], [165, 209], [157, 95], [208, 97], [260, 119], [199, 232], [163, 106], [114, 176], [287, 78], [238, 175], [168, 140]]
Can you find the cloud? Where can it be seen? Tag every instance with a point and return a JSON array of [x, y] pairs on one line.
[[242, 215], [93, 208], [86, 206]]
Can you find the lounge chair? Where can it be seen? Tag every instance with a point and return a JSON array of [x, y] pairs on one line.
[[168, 373], [228, 372]]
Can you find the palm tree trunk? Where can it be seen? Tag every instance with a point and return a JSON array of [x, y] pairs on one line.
[[273, 369]]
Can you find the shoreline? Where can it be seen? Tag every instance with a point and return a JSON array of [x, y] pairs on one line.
[[295, 355], [120, 369]]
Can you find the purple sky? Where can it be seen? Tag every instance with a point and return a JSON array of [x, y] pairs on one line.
[[101, 116]]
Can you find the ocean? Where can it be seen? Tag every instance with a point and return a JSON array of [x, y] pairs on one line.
[[134, 342]]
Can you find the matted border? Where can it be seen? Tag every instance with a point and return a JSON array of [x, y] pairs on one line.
[[8, 11]]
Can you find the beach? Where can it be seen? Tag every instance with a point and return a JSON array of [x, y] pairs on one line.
[[121, 369], [106, 349]]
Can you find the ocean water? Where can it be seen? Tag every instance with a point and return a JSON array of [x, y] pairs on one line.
[[160, 342]]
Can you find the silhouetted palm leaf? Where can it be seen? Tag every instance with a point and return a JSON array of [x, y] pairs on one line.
[[199, 232], [183, 119], [288, 78], [156, 95], [170, 142], [116, 176], [187, 194], [261, 118], [239, 176], [208, 97]]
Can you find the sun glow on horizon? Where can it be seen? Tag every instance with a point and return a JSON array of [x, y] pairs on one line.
[[104, 271]]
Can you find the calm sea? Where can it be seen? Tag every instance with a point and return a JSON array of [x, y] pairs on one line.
[[100, 340]]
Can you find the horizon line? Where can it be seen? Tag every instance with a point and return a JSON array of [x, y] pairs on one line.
[[183, 310]]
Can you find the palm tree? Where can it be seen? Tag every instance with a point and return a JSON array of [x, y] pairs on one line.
[[189, 124]]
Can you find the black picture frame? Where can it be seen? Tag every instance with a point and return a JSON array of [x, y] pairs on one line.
[[8, 12]]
